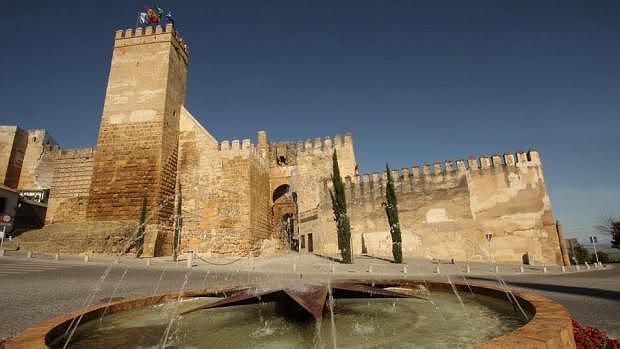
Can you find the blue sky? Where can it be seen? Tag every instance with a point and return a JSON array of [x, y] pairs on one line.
[[414, 81]]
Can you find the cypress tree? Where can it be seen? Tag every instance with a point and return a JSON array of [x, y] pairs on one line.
[[176, 238], [339, 206], [391, 210], [140, 235]]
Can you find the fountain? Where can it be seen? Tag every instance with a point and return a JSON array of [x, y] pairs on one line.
[[337, 314]]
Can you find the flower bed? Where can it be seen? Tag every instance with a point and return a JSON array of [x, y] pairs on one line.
[[592, 338]]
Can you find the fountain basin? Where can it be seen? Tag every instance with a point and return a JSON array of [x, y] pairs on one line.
[[549, 325]]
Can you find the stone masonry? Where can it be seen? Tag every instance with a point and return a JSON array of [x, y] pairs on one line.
[[241, 197]]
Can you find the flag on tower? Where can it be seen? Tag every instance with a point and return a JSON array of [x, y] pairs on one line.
[[144, 18], [153, 18]]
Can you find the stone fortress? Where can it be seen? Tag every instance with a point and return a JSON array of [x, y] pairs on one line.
[[240, 197]]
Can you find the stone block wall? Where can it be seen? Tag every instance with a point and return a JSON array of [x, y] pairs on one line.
[[35, 174], [73, 171], [446, 210], [13, 145], [137, 144]]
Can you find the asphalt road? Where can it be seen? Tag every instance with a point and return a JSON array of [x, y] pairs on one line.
[[33, 290]]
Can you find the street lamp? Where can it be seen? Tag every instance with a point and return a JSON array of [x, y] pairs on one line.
[[489, 237]]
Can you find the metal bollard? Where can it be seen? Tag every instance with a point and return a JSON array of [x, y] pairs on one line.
[[29, 254], [521, 269], [369, 269], [405, 269], [496, 269], [467, 269], [57, 257], [148, 262], [190, 259], [544, 270], [86, 259], [563, 269]]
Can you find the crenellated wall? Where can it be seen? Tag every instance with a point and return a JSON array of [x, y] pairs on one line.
[[446, 208], [149, 145]]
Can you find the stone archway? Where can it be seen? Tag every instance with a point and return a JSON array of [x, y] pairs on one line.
[[284, 218]]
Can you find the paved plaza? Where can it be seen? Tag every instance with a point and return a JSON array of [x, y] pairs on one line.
[[36, 288]]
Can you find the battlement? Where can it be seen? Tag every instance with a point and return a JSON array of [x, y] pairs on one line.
[[373, 184], [321, 144], [151, 34], [236, 147]]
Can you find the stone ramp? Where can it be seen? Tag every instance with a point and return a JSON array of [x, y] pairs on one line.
[[93, 238]]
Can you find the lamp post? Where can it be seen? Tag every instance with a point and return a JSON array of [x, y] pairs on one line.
[[489, 237], [594, 240]]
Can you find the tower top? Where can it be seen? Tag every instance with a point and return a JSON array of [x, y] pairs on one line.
[[152, 34]]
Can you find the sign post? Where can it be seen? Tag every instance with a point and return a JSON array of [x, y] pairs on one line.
[[594, 240]]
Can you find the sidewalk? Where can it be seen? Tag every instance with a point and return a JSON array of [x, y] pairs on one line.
[[312, 264]]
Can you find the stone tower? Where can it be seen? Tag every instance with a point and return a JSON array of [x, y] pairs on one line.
[[137, 146]]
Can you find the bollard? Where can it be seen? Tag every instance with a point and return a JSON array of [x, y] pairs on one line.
[[563, 269], [86, 259], [544, 269], [577, 267], [190, 259], [29, 254], [1, 252], [405, 269], [436, 269], [57, 257], [587, 265], [521, 269], [369, 269], [467, 269], [496, 269], [148, 262]]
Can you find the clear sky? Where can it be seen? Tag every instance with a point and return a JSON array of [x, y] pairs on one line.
[[413, 81]]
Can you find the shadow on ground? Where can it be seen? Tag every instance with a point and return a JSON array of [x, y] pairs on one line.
[[582, 291]]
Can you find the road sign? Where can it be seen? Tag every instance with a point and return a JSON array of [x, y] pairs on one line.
[[593, 239]]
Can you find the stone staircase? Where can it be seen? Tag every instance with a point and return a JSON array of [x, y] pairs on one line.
[[91, 237]]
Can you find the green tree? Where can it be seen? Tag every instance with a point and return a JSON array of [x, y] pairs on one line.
[[580, 254], [178, 225], [391, 210], [611, 226], [140, 235], [339, 205]]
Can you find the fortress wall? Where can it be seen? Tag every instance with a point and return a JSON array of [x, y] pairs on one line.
[[260, 203], [313, 163], [445, 210], [225, 193], [137, 147], [40, 143], [73, 170], [13, 145]]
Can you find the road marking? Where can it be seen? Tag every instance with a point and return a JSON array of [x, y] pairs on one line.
[[7, 269]]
